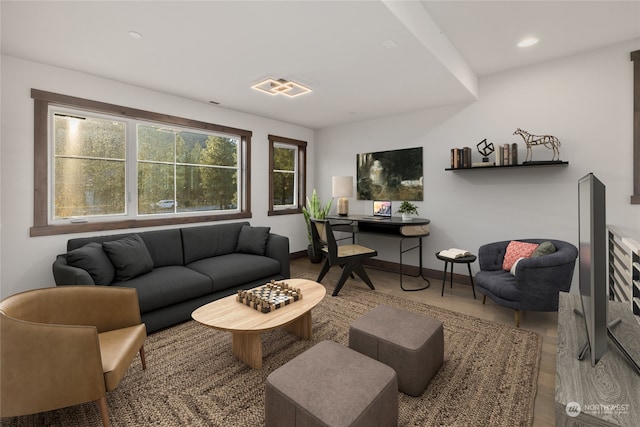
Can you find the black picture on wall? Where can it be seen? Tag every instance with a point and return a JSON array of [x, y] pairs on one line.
[[391, 175]]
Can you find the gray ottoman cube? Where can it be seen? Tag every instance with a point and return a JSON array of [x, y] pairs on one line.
[[412, 344], [332, 385]]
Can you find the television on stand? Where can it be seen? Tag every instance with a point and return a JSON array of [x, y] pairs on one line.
[[592, 271]]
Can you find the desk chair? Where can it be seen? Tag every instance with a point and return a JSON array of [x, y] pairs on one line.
[[348, 257]]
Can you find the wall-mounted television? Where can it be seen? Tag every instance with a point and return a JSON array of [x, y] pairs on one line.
[[592, 270]]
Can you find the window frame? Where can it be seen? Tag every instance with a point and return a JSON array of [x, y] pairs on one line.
[[301, 174], [42, 226]]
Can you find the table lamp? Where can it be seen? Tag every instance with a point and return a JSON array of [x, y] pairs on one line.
[[342, 187]]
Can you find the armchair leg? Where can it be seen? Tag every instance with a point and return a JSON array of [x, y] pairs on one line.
[[142, 359], [517, 314], [484, 298], [104, 412], [323, 271]]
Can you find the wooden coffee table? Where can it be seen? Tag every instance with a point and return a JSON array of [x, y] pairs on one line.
[[246, 324]]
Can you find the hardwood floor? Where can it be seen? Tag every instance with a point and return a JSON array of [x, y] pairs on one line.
[[460, 299]]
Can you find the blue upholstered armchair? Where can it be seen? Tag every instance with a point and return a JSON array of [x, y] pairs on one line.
[[537, 281]]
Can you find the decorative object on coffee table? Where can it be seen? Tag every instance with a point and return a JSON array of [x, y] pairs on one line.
[[548, 141], [269, 297]]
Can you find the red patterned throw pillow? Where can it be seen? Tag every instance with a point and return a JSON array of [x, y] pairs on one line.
[[517, 250]]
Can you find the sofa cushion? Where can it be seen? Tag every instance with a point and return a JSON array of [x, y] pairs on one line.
[[500, 283], [165, 247], [130, 257], [165, 286], [230, 270], [92, 258], [544, 248], [209, 241], [515, 250], [253, 240]]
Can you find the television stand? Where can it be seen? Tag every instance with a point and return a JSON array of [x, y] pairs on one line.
[[607, 394], [585, 350]]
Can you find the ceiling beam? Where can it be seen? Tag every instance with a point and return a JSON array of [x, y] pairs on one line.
[[418, 21]]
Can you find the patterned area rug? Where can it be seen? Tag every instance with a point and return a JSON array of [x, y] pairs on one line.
[[192, 379]]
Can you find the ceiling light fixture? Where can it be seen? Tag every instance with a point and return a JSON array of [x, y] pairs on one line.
[[528, 42], [282, 87], [135, 34]]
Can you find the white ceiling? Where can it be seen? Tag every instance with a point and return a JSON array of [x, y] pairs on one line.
[[215, 50]]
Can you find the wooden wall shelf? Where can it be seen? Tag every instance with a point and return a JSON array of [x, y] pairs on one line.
[[521, 165]]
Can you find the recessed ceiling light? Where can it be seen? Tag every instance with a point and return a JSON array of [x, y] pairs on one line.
[[135, 34], [528, 42]]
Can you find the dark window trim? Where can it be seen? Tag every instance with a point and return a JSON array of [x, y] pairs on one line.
[[635, 197], [41, 226], [302, 174]]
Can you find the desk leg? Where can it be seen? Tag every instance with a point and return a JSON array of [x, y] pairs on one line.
[[420, 273]]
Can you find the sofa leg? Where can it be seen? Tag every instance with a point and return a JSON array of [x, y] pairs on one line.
[[104, 412], [517, 314], [142, 359], [484, 298]]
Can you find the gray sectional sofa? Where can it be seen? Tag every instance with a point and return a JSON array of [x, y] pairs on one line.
[[177, 270]]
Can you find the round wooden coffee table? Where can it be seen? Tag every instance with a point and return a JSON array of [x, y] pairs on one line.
[[246, 324]]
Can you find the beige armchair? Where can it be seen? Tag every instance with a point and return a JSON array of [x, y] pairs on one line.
[[66, 345]]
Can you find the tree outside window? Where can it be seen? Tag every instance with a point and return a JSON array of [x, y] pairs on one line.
[[117, 167], [287, 177]]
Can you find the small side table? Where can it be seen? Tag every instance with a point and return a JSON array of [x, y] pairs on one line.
[[462, 260]]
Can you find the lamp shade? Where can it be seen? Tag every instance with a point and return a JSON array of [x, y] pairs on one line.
[[342, 186]]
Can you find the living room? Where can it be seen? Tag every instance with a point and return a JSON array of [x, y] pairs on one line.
[[585, 98]]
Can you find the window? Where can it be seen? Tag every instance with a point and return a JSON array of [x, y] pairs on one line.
[[287, 175], [101, 167]]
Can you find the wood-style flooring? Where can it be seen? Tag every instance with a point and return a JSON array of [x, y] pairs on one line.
[[460, 299]]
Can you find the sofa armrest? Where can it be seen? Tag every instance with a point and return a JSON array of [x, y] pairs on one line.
[[278, 249], [65, 274]]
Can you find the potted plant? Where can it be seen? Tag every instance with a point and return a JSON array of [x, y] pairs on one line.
[[314, 209], [407, 209]]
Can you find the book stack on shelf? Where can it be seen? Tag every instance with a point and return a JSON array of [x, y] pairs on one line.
[[461, 158], [507, 155]]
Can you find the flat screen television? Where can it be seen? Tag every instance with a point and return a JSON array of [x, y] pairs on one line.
[[592, 270]]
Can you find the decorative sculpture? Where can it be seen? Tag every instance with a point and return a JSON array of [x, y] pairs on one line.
[[548, 141], [485, 150]]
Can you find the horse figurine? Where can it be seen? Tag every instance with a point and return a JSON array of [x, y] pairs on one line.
[[548, 141]]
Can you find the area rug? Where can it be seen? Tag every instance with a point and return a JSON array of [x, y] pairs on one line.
[[489, 375]]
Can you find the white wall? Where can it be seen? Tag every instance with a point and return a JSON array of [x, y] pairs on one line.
[[26, 261], [584, 100]]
